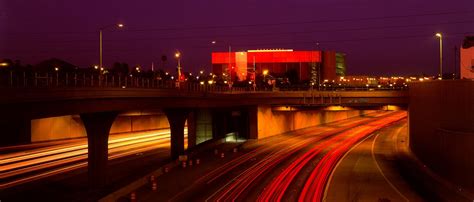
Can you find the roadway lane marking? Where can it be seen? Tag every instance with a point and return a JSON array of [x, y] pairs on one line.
[[339, 162], [377, 133], [380, 170]]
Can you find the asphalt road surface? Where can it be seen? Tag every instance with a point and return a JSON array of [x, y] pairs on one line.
[[288, 167], [32, 163]]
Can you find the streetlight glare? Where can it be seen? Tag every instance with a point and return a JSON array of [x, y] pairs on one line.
[[177, 55], [265, 72], [120, 25], [213, 42], [440, 36]]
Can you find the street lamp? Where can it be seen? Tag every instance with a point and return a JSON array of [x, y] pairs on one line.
[[177, 55], [229, 70], [265, 72], [440, 36], [100, 40]]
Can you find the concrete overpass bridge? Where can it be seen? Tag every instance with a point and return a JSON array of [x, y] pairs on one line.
[[441, 114], [244, 112]]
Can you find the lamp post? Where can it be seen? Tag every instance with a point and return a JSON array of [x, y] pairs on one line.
[[440, 36], [229, 68], [265, 72], [177, 55], [319, 68], [100, 40]]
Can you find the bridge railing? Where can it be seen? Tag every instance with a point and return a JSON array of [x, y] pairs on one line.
[[15, 79]]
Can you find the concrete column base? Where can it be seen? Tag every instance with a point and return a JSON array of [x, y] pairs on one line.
[[97, 127], [177, 117]]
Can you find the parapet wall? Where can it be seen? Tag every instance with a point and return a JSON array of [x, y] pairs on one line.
[[441, 122]]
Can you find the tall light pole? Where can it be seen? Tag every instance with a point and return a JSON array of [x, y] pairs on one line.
[[229, 70], [440, 36], [177, 55], [319, 66], [100, 40]]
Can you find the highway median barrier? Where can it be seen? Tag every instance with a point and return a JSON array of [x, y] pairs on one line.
[[124, 192]]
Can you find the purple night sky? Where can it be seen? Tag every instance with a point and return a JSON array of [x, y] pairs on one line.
[[379, 37]]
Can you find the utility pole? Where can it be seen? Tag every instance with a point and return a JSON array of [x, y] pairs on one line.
[[455, 58]]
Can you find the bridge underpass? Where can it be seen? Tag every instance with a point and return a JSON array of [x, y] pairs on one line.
[[209, 116]]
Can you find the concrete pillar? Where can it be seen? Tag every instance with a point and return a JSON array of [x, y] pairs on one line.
[[97, 127], [177, 117], [192, 127], [15, 131], [253, 122], [220, 123]]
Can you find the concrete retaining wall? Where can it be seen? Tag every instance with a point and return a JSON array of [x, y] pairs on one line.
[[66, 127], [123, 124], [54, 128], [273, 122], [441, 121]]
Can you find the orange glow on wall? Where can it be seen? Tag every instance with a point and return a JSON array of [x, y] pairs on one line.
[[467, 63], [337, 108]]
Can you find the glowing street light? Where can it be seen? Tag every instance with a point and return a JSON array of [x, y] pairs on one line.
[[265, 72], [100, 40], [440, 36], [177, 55], [56, 69]]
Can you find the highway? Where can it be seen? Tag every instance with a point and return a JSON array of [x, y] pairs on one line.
[[36, 161], [381, 168], [289, 167], [367, 173]]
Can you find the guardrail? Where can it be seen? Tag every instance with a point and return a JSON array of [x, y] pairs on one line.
[[15, 79]]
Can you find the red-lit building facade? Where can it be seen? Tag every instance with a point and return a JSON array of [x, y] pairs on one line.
[[279, 63], [467, 58]]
